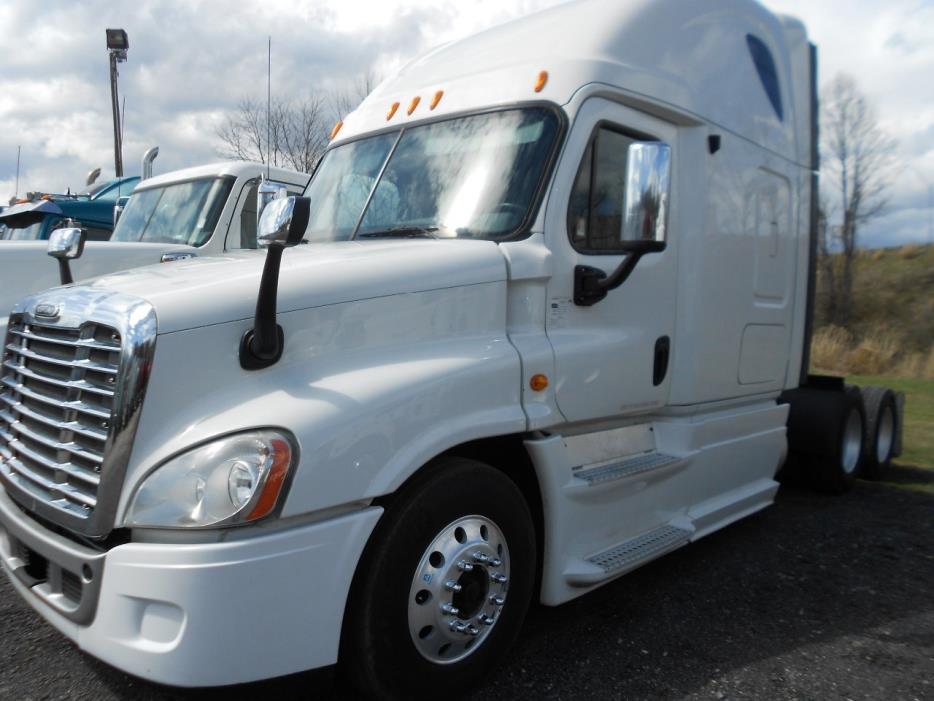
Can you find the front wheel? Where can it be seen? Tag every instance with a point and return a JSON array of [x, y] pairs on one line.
[[443, 585]]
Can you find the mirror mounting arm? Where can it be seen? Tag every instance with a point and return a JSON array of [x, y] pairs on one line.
[[592, 284], [262, 345], [64, 271]]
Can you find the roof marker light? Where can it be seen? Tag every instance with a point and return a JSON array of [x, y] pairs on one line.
[[337, 128], [392, 111], [414, 103], [542, 79], [436, 99]]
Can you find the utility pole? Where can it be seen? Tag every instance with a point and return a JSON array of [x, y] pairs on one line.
[[16, 194], [117, 46]]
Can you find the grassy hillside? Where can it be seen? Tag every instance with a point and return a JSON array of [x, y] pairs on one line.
[[892, 325]]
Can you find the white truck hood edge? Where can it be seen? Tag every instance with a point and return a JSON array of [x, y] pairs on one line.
[[213, 290]]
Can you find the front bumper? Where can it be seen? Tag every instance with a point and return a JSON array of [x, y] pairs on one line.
[[195, 615]]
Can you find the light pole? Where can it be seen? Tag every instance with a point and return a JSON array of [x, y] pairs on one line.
[[117, 46]]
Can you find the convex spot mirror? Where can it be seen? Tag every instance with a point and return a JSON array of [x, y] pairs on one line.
[[283, 222], [648, 183], [67, 244]]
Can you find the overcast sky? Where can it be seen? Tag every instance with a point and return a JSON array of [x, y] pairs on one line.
[[190, 60]]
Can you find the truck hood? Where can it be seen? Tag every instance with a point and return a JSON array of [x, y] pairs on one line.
[[205, 291]]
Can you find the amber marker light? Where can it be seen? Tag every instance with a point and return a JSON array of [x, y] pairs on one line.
[[542, 79], [414, 103], [281, 459], [436, 99], [392, 111], [337, 128], [538, 382]]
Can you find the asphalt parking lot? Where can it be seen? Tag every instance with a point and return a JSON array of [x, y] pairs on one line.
[[815, 598]]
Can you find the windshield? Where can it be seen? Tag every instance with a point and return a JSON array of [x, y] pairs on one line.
[[183, 213], [474, 176], [25, 233]]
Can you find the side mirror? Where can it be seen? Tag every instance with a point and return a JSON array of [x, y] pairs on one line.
[[281, 225], [283, 222], [645, 220], [66, 244]]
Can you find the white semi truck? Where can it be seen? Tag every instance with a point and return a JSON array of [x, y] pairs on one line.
[[551, 322], [202, 211]]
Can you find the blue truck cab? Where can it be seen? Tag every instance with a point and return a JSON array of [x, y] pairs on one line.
[[35, 218]]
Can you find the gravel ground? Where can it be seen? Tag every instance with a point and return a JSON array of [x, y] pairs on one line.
[[814, 598]]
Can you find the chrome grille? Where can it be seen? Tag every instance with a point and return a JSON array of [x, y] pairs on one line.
[[57, 390]]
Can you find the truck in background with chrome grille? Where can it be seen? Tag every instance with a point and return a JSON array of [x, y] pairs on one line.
[[551, 322]]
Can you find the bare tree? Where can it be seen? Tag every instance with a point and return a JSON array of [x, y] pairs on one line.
[[298, 133], [825, 262], [856, 156], [347, 99]]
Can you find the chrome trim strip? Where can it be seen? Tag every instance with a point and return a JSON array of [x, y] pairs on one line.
[[83, 364], [72, 448], [82, 385], [76, 405], [50, 421], [82, 343]]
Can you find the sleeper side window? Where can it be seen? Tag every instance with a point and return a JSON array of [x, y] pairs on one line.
[[595, 211]]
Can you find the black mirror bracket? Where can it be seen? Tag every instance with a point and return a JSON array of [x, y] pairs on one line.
[[262, 345], [64, 271], [592, 284]]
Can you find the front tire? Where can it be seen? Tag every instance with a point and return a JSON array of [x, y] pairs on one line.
[[443, 585]]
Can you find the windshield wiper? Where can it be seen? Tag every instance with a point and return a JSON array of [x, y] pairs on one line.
[[406, 232]]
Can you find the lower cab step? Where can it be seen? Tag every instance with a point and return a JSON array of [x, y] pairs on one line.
[[627, 555]]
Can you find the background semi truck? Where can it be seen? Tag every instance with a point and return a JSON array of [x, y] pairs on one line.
[[34, 219], [200, 211], [551, 322]]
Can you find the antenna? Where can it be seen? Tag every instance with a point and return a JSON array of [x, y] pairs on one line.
[[268, 100]]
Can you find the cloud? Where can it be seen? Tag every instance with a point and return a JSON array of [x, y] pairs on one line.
[[191, 61]]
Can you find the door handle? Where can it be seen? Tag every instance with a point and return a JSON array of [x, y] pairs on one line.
[[662, 353], [176, 255]]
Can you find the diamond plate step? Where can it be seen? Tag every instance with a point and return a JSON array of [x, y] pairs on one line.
[[626, 468], [644, 547]]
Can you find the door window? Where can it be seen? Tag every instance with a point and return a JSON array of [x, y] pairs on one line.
[[595, 211]]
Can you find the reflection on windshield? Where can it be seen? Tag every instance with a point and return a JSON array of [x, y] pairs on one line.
[[471, 176], [183, 213], [25, 233]]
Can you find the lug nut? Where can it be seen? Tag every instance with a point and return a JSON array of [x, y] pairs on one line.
[[496, 562], [498, 577], [497, 600], [459, 627], [464, 566], [473, 630], [486, 620], [451, 585], [480, 557], [450, 609]]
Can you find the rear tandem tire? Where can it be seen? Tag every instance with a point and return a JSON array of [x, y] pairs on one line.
[[458, 522], [826, 434], [881, 431]]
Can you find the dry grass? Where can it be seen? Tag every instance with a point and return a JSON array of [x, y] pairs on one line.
[[837, 350]]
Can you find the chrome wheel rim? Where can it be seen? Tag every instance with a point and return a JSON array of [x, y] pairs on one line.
[[458, 590], [885, 434], [852, 442]]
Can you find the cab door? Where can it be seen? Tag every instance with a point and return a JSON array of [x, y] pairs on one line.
[[613, 356]]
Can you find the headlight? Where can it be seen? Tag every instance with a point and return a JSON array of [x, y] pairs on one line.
[[231, 480]]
